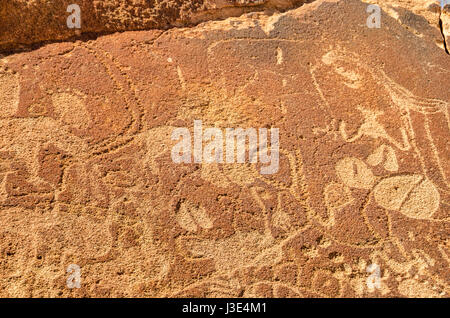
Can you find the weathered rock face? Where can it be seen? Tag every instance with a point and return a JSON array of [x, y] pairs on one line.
[[418, 15], [87, 176], [445, 26], [24, 23]]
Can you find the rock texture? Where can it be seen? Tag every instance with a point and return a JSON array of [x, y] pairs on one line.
[[86, 175], [25, 24], [417, 15], [28, 24], [445, 26]]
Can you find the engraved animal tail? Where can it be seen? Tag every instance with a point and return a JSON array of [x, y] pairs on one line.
[[428, 123]]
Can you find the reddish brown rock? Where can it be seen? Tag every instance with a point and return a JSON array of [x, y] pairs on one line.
[[87, 176], [417, 15], [445, 25], [25, 24]]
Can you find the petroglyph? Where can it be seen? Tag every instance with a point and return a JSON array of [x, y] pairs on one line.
[[414, 196], [386, 155], [9, 93], [71, 110], [87, 178], [354, 173], [279, 55], [337, 195], [192, 217]]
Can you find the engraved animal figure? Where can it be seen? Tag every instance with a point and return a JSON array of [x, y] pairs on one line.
[[421, 120], [412, 195], [372, 128]]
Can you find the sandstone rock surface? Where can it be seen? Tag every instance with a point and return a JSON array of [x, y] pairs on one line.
[[445, 26], [24, 23], [87, 177], [417, 15]]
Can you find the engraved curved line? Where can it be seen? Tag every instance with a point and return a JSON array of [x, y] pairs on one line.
[[319, 90], [107, 145], [373, 129], [435, 151]]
